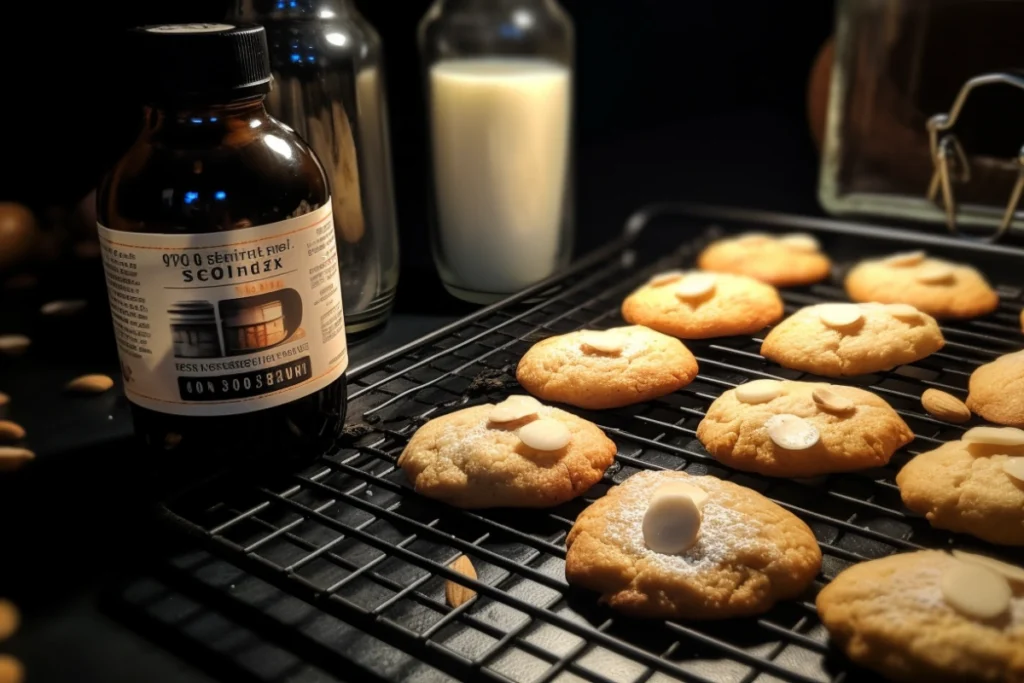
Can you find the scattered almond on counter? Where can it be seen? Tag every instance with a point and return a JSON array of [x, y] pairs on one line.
[[19, 234], [90, 384], [13, 457], [456, 594], [14, 344], [11, 431], [945, 406], [63, 307], [10, 618], [11, 670]]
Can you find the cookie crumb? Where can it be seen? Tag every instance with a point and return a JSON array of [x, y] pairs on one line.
[[355, 431], [491, 380]]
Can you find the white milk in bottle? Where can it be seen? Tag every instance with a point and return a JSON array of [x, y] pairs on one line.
[[500, 130]]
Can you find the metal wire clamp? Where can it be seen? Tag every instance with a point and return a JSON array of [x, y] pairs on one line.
[[951, 164]]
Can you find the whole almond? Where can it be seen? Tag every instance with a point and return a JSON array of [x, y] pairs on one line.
[[90, 384], [13, 457], [4, 399], [14, 344], [9, 619], [11, 670], [63, 307], [11, 431], [945, 406], [455, 593]]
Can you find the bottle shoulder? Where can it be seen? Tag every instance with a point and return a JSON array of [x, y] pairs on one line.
[[472, 29], [207, 181]]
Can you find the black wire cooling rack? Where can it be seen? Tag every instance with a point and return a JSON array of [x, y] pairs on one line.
[[338, 572]]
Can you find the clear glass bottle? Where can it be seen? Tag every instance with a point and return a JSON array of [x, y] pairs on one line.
[[498, 78], [220, 259], [329, 86]]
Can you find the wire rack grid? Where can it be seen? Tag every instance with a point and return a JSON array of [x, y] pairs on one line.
[[348, 538]]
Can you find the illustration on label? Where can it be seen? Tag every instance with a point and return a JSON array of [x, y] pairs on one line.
[[227, 323]]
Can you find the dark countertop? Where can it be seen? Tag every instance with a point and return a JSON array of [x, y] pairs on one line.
[[76, 523], [76, 532]]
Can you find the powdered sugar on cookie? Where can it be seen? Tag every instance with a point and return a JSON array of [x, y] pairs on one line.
[[919, 616], [750, 553], [469, 460], [725, 534]]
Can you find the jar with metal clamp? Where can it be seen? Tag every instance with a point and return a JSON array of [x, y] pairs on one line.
[[922, 112], [329, 86]]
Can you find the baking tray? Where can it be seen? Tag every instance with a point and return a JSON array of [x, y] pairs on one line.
[[340, 568]]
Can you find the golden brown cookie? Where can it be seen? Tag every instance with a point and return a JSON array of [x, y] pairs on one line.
[[506, 455], [916, 617], [940, 288], [606, 369], [697, 305], [997, 390], [837, 340], [750, 553], [783, 261], [968, 486], [801, 429]]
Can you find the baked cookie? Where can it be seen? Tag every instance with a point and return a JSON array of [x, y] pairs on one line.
[[606, 369], [940, 288], [973, 486], [736, 553], [517, 453], [801, 429], [930, 616], [783, 261], [696, 305], [996, 390], [837, 340]]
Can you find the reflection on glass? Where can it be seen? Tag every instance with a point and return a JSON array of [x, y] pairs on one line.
[[278, 145], [328, 86]]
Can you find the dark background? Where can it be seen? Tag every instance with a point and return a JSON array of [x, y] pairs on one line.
[[676, 100]]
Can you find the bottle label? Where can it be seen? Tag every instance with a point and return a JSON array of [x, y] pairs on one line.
[[229, 322]]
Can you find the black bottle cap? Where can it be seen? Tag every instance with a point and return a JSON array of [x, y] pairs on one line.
[[200, 63]]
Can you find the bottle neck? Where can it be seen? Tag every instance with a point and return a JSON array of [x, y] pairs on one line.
[[203, 119], [323, 9]]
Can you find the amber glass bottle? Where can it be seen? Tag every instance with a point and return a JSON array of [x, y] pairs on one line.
[[220, 258]]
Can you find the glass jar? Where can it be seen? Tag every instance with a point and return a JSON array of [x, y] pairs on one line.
[[498, 78], [329, 86], [898, 63]]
